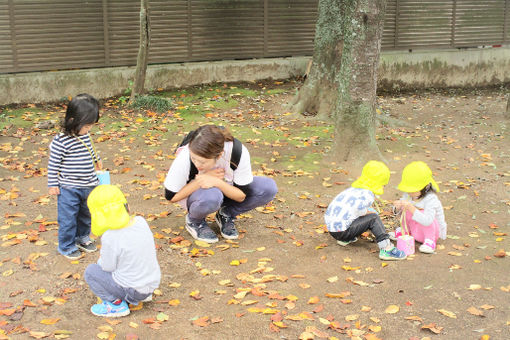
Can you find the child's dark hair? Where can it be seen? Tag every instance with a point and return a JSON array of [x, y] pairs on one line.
[[428, 188], [208, 141], [82, 110]]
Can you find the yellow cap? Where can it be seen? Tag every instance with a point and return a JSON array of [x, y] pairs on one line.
[[374, 176], [415, 177], [107, 205]]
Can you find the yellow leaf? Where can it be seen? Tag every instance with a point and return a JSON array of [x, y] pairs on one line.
[[162, 317], [249, 302], [174, 285], [235, 263], [447, 313], [313, 300], [374, 328], [392, 309], [202, 244], [50, 321], [474, 287], [324, 321], [133, 325], [332, 279], [103, 335], [8, 272], [105, 328], [352, 317], [174, 302]]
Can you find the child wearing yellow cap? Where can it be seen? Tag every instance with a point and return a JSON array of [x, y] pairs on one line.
[[127, 271], [422, 209], [350, 214]]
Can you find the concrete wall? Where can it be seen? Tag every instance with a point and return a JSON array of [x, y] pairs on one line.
[[445, 68], [398, 70]]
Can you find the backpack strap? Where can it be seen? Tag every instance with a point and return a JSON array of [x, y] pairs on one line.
[[235, 157], [193, 171]]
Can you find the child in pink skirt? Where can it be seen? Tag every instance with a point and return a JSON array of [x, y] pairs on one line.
[[422, 211]]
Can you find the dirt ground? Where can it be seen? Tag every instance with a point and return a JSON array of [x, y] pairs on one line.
[[285, 278]]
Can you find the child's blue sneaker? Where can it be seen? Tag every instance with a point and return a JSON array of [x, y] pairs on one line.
[[393, 254], [113, 309]]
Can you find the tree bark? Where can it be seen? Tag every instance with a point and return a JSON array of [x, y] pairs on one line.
[[143, 52], [508, 107], [342, 82]]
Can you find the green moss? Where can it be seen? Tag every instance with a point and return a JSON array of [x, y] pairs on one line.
[[23, 117]]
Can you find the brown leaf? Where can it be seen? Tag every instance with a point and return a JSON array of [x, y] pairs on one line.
[[202, 322], [277, 317], [433, 328], [475, 311], [500, 253]]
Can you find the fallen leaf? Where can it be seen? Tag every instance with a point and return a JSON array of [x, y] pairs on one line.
[[392, 309], [433, 328], [447, 313], [50, 321], [475, 311], [202, 322]]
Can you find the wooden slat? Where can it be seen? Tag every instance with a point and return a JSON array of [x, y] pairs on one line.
[[64, 34]]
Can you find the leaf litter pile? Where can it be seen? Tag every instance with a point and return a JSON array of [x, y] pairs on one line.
[[285, 278]]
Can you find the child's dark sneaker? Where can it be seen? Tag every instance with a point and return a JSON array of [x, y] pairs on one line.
[[227, 228], [113, 309], [393, 254], [201, 231], [75, 255], [345, 243], [88, 247], [147, 299]]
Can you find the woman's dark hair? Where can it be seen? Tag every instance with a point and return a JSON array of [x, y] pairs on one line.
[[423, 192], [82, 110], [208, 141]]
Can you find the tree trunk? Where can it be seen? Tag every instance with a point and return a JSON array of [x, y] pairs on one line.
[[143, 52], [508, 107], [342, 83]]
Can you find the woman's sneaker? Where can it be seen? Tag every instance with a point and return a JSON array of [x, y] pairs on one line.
[[88, 247], [75, 255], [113, 309], [201, 231], [395, 234], [227, 228], [428, 247], [345, 243], [392, 254]]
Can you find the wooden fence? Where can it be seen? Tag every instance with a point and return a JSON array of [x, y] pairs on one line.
[[42, 35]]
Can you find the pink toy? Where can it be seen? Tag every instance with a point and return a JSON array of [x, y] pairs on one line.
[[405, 242]]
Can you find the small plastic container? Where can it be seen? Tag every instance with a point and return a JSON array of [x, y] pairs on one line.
[[103, 176], [405, 243]]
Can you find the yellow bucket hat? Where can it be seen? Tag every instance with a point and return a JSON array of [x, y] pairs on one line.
[[416, 176], [107, 205], [374, 176]]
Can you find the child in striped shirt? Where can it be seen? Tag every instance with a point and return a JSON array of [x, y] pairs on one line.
[[72, 175]]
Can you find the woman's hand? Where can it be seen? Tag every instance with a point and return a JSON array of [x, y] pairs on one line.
[[206, 181], [99, 165], [218, 173], [54, 190]]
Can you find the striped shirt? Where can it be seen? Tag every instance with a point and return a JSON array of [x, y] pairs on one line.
[[71, 163]]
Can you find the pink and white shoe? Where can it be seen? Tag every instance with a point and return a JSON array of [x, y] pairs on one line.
[[395, 234], [428, 247]]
